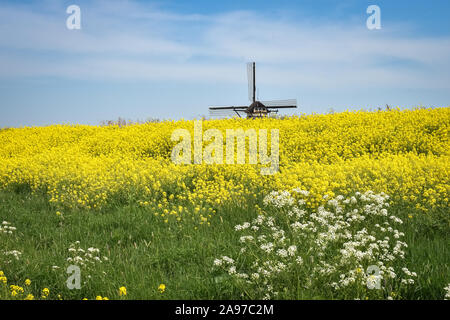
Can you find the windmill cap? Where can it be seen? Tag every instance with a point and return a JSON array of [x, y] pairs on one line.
[[256, 105]]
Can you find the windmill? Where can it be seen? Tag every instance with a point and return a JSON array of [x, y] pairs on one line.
[[257, 109]]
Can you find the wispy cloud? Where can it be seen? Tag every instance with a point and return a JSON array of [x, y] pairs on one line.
[[132, 41]]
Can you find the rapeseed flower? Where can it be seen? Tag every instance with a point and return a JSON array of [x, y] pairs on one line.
[[122, 291], [45, 293]]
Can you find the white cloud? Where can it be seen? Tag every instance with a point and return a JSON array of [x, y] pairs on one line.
[[129, 41]]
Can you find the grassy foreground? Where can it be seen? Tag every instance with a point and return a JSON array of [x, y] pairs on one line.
[[144, 252]]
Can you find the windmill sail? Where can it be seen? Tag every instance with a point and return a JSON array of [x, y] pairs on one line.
[[222, 113], [227, 112], [251, 81], [280, 103]]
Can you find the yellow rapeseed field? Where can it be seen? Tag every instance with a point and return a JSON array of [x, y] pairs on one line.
[[402, 153]]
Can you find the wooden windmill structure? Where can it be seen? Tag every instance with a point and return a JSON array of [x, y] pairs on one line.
[[257, 109]]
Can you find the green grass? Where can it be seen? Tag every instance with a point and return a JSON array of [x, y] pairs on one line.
[[144, 251]]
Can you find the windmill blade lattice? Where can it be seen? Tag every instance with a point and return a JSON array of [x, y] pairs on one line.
[[280, 103]]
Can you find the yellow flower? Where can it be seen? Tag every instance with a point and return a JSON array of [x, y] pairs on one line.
[[45, 293], [358, 270], [410, 216], [14, 293], [29, 297], [58, 213], [18, 289], [98, 298], [27, 282], [162, 287], [105, 298], [122, 291]]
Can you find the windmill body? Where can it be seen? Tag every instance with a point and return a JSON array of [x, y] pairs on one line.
[[257, 109]]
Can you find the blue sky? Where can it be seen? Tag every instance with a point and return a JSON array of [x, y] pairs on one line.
[[171, 59]]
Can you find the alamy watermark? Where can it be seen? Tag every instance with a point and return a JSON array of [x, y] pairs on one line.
[[374, 20], [213, 152], [73, 22], [373, 277], [74, 280]]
